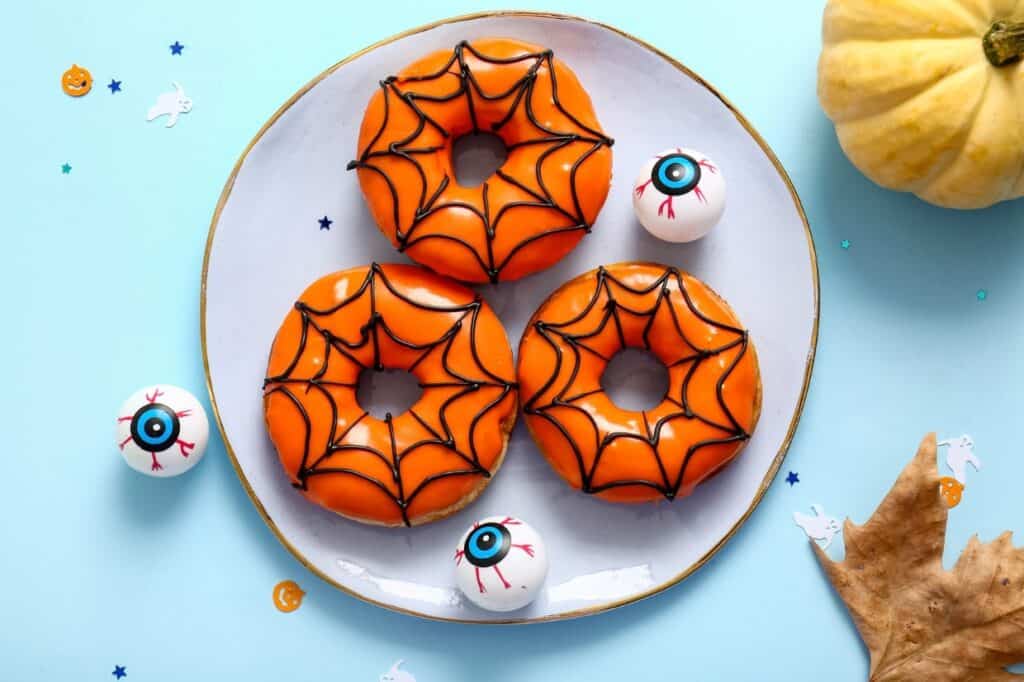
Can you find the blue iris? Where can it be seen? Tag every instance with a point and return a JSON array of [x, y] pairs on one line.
[[483, 543], [488, 544], [675, 174], [155, 427]]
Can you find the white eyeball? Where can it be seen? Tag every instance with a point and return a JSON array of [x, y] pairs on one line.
[[162, 431], [501, 563], [679, 195]]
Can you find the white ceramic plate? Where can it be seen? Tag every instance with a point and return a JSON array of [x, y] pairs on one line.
[[265, 247]]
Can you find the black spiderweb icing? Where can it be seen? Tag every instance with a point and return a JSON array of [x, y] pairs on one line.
[[576, 343], [329, 461], [521, 93]]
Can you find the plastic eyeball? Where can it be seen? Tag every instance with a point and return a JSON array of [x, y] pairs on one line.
[[162, 431], [679, 195], [501, 563]]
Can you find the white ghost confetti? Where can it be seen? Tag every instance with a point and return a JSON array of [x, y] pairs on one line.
[[170, 104], [818, 527], [959, 455], [396, 675]]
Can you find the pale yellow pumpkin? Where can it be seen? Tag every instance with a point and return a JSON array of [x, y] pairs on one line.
[[927, 96]]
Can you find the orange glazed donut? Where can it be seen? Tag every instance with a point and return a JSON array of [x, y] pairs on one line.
[[425, 463], [534, 209], [707, 415]]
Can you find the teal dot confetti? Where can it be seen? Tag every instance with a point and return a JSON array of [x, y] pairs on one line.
[[982, 294], [845, 244], [66, 169]]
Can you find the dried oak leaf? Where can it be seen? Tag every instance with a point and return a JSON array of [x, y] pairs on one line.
[[918, 621]]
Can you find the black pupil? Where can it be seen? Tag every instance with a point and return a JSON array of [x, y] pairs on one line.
[[153, 433], [674, 169], [487, 545]]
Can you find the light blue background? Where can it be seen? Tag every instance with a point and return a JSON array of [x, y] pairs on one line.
[[171, 578]]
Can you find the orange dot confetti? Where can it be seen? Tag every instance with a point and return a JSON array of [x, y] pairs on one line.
[[76, 81], [951, 491], [288, 596]]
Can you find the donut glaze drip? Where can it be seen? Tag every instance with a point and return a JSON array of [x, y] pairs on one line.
[[533, 210], [405, 469], [704, 420]]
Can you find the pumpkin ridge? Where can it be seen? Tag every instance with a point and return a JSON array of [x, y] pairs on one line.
[[895, 99], [906, 159], [898, 19], [927, 183]]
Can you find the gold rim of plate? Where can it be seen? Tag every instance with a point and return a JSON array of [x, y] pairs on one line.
[[776, 463]]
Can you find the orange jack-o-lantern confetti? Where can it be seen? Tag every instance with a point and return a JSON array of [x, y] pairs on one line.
[[288, 596], [76, 81], [951, 491]]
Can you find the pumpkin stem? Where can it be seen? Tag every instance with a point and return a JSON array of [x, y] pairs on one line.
[[1004, 42]]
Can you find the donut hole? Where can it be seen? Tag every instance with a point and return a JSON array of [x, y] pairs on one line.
[[475, 157], [635, 380], [386, 391]]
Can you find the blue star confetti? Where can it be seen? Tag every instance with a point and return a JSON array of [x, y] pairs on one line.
[[845, 244], [982, 294], [792, 478], [325, 223], [119, 672], [177, 47], [115, 86], [65, 169]]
